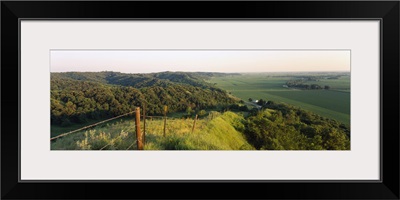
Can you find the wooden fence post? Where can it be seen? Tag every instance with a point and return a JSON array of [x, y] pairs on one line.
[[144, 124], [165, 118], [139, 140], [194, 123]]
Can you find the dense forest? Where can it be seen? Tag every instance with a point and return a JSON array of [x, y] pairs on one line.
[[79, 96], [284, 127]]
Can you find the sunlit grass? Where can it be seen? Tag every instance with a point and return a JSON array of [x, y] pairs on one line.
[[215, 132]]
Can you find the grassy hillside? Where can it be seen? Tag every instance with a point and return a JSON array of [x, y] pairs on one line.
[[218, 133], [275, 127]]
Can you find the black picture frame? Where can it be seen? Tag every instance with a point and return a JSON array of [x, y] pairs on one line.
[[386, 11]]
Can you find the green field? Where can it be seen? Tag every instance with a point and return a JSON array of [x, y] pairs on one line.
[[333, 103], [343, 83]]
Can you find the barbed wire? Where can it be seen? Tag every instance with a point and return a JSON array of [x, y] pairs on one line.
[[149, 116], [130, 145], [92, 125], [101, 122], [114, 139], [105, 146]]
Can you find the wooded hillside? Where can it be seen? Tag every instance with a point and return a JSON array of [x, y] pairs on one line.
[[78, 96]]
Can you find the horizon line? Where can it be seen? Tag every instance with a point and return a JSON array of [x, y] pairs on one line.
[[204, 72]]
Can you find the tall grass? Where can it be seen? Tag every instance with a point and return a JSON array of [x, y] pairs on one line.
[[215, 132], [117, 135]]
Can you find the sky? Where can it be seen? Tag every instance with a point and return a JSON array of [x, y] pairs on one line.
[[149, 61]]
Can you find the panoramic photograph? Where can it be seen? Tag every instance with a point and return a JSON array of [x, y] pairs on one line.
[[257, 100]]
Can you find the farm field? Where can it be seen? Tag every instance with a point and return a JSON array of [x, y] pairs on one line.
[[333, 103], [342, 83]]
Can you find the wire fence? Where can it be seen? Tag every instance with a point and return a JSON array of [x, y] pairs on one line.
[[90, 126], [116, 138], [140, 137]]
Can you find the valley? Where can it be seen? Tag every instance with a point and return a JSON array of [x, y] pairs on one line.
[[235, 111]]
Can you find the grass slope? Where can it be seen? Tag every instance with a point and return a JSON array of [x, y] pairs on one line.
[[218, 133]]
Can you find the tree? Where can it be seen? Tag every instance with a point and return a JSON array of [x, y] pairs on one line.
[[189, 110], [334, 139], [261, 102], [244, 108], [250, 99], [70, 108], [202, 112], [315, 86], [271, 103]]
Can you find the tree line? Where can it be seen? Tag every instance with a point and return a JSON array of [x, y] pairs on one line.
[[80, 98], [301, 84]]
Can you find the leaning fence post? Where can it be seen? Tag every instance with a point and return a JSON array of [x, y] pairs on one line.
[[139, 140], [165, 118], [144, 124], [194, 123]]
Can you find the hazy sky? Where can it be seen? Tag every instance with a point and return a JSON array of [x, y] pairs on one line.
[[130, 61]]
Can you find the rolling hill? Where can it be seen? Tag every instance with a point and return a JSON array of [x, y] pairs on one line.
[[79, 96]]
